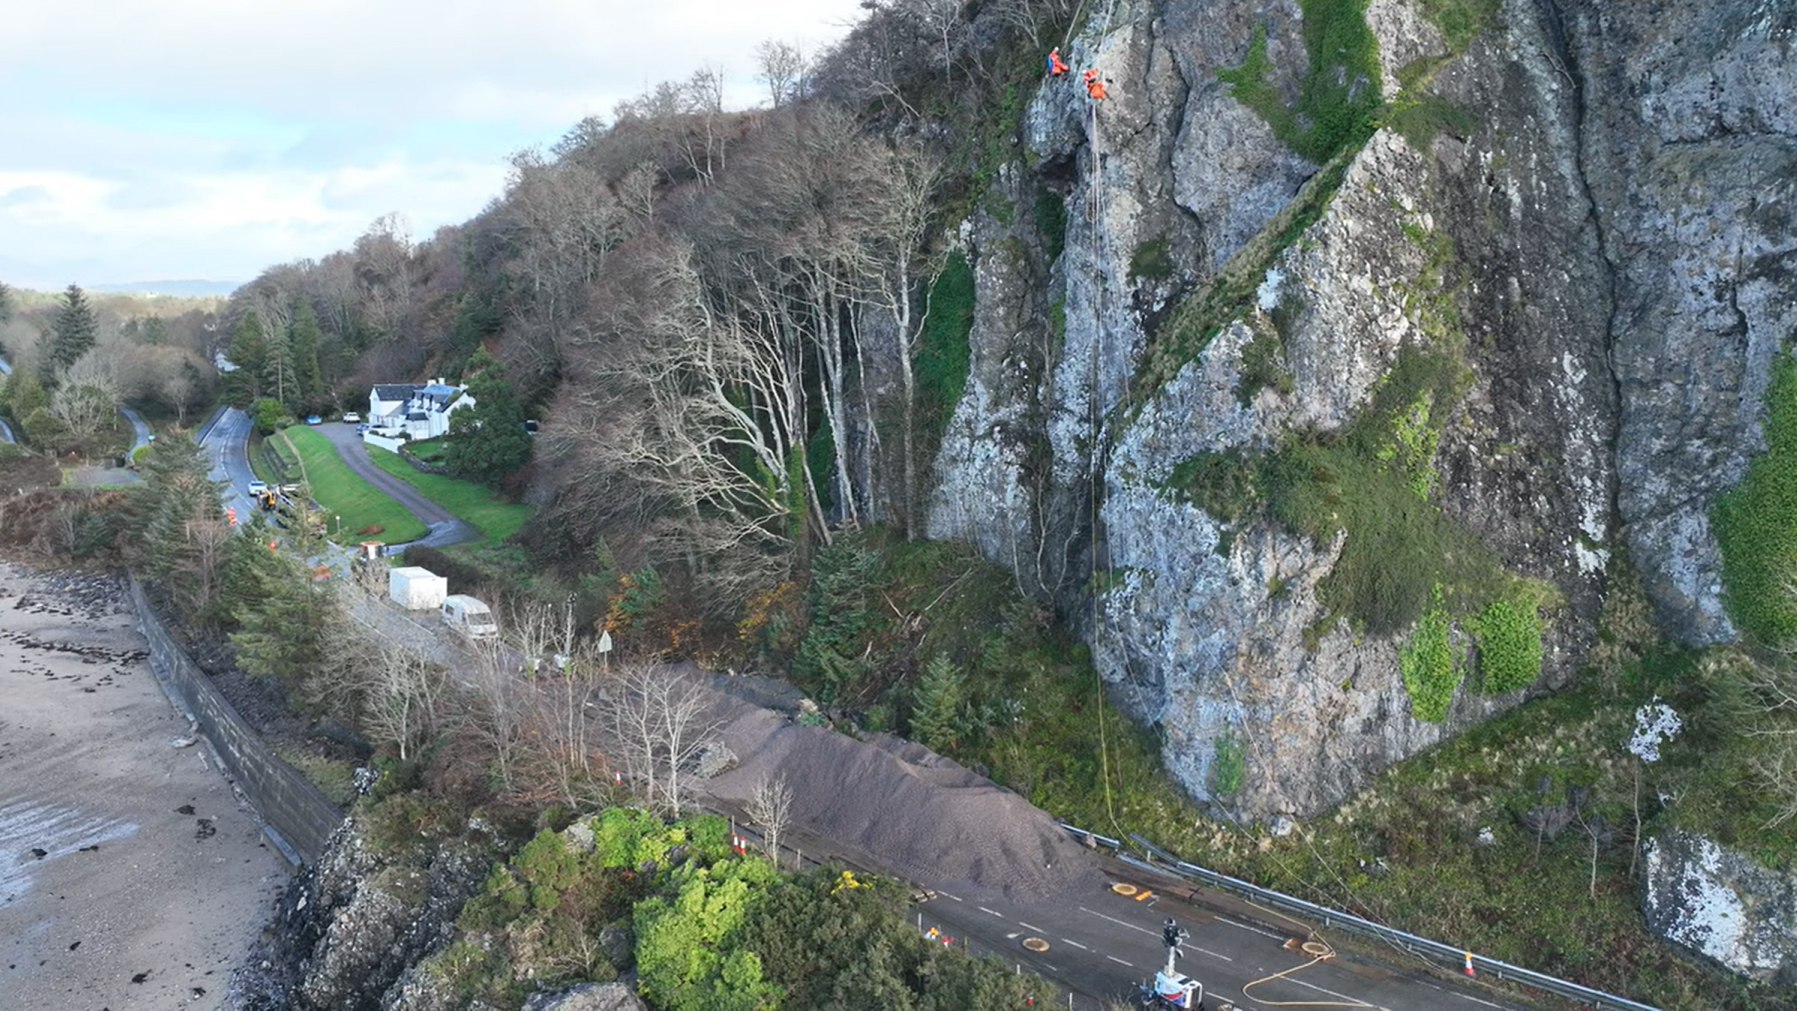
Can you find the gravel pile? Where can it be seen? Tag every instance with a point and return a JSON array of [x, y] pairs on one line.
[[897, 804]]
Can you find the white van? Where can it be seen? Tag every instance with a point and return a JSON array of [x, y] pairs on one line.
[[469, 616]]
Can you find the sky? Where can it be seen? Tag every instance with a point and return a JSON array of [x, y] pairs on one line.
[[199, 139]]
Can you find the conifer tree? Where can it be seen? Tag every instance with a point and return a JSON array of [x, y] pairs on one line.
[[303, 344], [936, 717], [277, 368], [73, 333], [243, 384], [281, 633]]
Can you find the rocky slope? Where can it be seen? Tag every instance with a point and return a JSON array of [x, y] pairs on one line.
[[1576, 230]]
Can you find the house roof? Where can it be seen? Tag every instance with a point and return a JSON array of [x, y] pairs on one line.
[[395, 391], [437, 390]]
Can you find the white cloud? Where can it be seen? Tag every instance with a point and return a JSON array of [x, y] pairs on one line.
[[203, 138]]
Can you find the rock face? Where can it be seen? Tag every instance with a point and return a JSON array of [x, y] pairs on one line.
[[588, 997], [1604, 231], [1720, 904], [350, 928]]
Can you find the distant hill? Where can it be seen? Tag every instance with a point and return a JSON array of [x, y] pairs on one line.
[[189, 287]]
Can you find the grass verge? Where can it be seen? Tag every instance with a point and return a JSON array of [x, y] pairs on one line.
[[467, 501], [358, 509]]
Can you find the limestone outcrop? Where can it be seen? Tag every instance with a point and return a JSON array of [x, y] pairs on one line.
[[1582, 217]]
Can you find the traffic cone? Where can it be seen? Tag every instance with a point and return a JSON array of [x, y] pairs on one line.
[[1469, 964]]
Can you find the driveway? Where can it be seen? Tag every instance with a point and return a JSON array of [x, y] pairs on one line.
[[444, 527]]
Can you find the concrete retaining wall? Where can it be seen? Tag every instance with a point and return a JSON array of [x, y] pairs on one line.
[[390, 445], [292, 806]]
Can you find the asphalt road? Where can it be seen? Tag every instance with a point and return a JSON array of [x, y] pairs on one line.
[[1101, 944], [444, 527], [227, 442], [140, 429], [5, 430]]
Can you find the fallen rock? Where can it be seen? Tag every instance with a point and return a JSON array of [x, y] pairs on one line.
[[1720, 904]]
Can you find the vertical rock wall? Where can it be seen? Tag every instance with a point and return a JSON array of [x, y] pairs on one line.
[[1615, 202]]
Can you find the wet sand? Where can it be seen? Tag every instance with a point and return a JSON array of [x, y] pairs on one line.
[[131, 875]]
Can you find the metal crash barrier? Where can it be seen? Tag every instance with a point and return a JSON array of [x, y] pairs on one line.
[[1433, 950]]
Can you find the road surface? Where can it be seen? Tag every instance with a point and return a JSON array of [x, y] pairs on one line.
[[5, 430], [1100, 944], [226, 441], [444, 527], [140, 430]]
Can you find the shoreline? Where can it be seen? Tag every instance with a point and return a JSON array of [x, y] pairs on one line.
[[132, 875]]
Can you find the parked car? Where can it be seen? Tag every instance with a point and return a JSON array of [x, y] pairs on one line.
[[363, 427], [313, 419], [469, 616], [256, 489], [351, 417]]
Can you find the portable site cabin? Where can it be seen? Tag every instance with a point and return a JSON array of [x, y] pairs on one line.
[[417, 589], [469, 616]]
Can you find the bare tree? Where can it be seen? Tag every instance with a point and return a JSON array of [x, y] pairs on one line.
[[402, 698], [770, 805], [499, 711], [781, 68], [661, 721], [88, 396]]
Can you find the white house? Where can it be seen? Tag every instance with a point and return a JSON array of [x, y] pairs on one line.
[[420, 410]]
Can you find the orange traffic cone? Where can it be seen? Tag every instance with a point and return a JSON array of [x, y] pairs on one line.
[[1469, 964]]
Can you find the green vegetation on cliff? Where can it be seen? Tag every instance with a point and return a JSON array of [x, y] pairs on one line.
[[1756, 522], [1337, 94], [705, 928]]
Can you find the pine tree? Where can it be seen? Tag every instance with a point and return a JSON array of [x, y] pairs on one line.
[[73, 333], [243, 385], [304, 338], [277, 368], [282, 634], [6, 307], [936, 716]]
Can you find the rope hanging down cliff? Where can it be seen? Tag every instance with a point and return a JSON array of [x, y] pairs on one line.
[[1096, 217]]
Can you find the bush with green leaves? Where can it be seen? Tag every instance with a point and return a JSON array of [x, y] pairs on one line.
[[1426, 662], [1509, 635]]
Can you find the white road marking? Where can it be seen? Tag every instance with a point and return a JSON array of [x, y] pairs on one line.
[[1029, 926], [1357, 1001], [994, 912], [1244, 926], [1467, 996], [1076, 944], [946, 895], [1120, 923], [1119, 961], [1013, 935], [1207, 951]]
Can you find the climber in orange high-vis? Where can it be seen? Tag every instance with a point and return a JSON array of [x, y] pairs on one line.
[[1056, 68], [1094, 86]]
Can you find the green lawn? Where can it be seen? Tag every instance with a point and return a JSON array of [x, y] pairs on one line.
[[360, 505], [468, 501]]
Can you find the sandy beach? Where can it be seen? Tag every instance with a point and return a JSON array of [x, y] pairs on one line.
[[131, 875]]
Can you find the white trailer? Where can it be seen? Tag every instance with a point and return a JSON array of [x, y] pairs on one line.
[[469, 616], [417, 589]]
